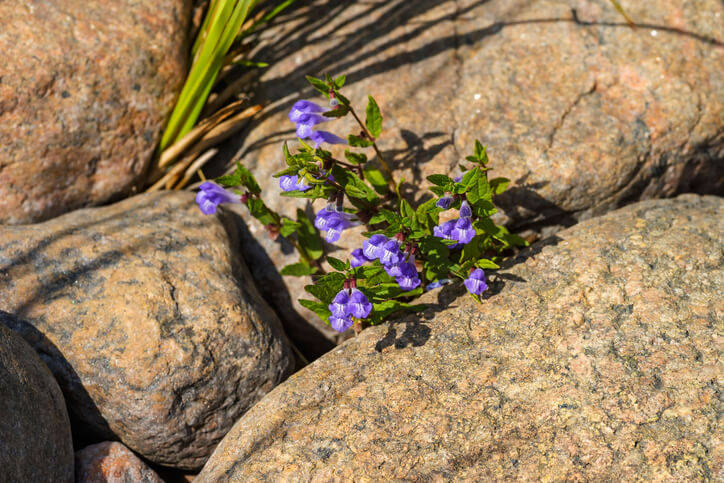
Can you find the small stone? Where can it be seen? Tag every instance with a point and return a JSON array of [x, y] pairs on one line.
[[35, 438], [148, 318], [111, 462], [596, 357]]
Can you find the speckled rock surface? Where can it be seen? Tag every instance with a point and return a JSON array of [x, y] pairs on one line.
[[581, 112], [85, 88], [111, 462], [149, 320], [35, 441], [596, 357]]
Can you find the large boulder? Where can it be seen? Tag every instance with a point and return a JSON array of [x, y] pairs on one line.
[[35, 440], [85, 88], [583, 113], [149, 320], [596, 357]]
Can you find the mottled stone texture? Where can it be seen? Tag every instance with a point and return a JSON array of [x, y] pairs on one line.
[[85, 88], [111, 462], [149, 320], [596, 357], [583, 113], [35, 441]]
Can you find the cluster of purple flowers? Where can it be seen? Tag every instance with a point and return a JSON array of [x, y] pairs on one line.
[[396, 263], [460, 229], [334, 221], [306, 115], [293, 183], [348, 303]]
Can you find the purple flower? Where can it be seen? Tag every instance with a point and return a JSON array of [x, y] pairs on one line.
[[347, 304], [408, 280], [395, 269], [340, 324], [463, 231], [390, 252], [465, 210], [333, 222], [475, 283], [372, 248], [358, 258], [338, 307], [458, 179], [319, 137], [293, 183], [444, 230], [444, 202], [358, 304], [212, 195], [304, 107], [437, 284]]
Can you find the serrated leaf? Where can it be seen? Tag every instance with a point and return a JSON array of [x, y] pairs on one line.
[[439, 179], [373, 121], [353, 185], [478, 149], [358, 142], [288, 227], [485, 264], [318, 84], [376, 179], [247, 179], [439, 191], [339, 81], [229, 180], [337, 112], [259, 210], [434, 249], [308, 236], [297, 270], [318, 308], [357, 158], [337, 264], [499, 185]]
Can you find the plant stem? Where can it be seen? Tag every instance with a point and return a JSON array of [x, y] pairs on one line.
[[385, 167]]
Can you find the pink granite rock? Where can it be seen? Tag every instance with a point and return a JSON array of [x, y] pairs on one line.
[[111, 462], [85, 88]]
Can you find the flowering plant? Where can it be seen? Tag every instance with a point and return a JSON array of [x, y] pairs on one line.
[[407, 248]]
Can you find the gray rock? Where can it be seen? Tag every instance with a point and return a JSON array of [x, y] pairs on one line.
[[35, 440], [596, 357], [149, 320]]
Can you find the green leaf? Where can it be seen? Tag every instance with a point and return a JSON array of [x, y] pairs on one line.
[[318, 308], [374, 117], [327, 286], [434, 249], [439, 179], [337, 264], [499, 185], [358, 142], [353, 185], [339, 81], [479, 149], [250, 63], [297, 269], [437, 190], [376, 179], [259, 210], [384, 309], [356, 158], [485, 264], [339, 111], [229, 180], [247, 179], [318, 84], [309, 240], [288, 227]]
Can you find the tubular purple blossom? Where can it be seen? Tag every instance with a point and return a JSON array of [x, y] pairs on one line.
[[358, 258], [319, 137], [211, 195], [444, 202], [339, 305], [475, 283], [390, 252], [304, 107], [465, 210], [463, 230], [334, 222], [372, 248], [358, 304], [340, 324], [293, 183]]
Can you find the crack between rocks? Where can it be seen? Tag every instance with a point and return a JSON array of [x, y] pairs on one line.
[[576, 101]]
